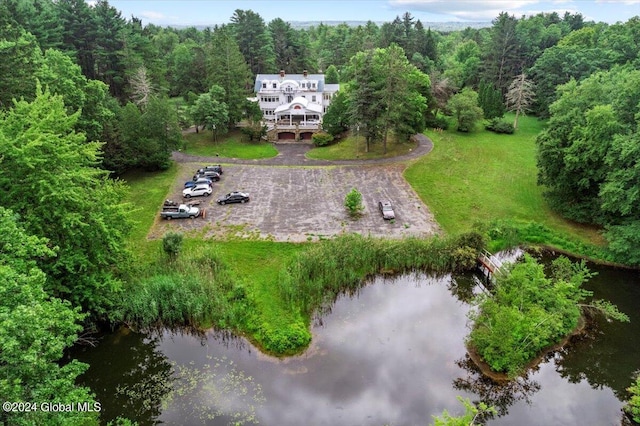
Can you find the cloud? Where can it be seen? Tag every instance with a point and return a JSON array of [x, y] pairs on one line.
[[153, 16], [468, 10]]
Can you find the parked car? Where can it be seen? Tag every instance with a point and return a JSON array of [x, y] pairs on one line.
[[197, 191], [234, 197], [213, 168], [180, 212], [200, 181], [213, 176], [386, 209]]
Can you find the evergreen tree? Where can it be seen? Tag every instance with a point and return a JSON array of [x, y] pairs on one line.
[[254, 41], [229, 71], [109, 46], [502, 60], [331, 76], [490, 100]]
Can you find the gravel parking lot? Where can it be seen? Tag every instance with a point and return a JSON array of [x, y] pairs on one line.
[[298, 203]]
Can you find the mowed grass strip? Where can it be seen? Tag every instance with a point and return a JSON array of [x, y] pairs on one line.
[[483, 176], [353, 148], [231, 145]]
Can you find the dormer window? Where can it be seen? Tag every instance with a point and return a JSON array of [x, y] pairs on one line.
[[264, 85], [275, 85], [313, 85]]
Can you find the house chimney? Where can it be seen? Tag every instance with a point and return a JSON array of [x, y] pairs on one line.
[[282, 73], [305, 73]]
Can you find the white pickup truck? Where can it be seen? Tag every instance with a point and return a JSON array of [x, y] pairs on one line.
[[180, 212]]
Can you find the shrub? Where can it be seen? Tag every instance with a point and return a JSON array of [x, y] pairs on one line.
[[172, 243], [633, 405], [321, 139], [498, 126], [439, 122], [529, 311], [353, 203]]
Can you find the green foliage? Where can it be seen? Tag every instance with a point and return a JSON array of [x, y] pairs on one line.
[[633, 404], [317, 275], [253, 39], [331, 75], [210, 111], [172, 244], [322, 139], [507, 233], [588, 156], [498, 126], [36, 329], [194, 290], [386, 94], [529, 312], [284, 340], [353, 203], [336, 119], [472, 413], [490, 100], [465, 110], [49, 175], [228, 70]]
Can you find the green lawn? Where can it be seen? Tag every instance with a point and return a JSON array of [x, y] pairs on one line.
[[353, 148], [231, 145], [481, 176]]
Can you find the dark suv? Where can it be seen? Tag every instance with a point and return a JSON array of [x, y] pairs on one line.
[[212, 176], [213, 168]]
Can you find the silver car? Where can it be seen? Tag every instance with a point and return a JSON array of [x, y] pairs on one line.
[[386, 209]]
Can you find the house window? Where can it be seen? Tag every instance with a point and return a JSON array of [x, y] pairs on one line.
[[313, 98], [275, 85], [313, 85], [264, 85]]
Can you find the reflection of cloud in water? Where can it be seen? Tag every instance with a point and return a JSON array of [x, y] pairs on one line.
[[385, 357], [389, 359], [572, 403]]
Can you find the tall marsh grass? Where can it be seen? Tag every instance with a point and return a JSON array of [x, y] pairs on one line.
[[341, 265], [195, 289]]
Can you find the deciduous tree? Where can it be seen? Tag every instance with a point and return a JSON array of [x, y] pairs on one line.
[[61, 194], [464, 108]]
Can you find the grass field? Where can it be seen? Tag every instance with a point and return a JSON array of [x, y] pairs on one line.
[[482, 176], [353, 148], [231, 145]]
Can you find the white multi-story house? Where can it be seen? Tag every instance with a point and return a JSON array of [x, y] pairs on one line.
[[293, 101]]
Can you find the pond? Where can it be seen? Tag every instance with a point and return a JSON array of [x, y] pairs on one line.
[[393, 354]]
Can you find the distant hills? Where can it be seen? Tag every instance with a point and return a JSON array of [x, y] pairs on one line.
[[435, 26]]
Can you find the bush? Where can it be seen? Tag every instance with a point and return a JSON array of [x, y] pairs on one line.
[[172, 243], [353, 203], [498, 126], [633, 405], [439, 122], [321, 139]]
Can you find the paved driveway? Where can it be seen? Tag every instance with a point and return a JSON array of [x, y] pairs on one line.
[[301, 203]]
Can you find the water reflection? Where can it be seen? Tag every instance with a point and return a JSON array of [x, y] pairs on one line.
[[392, 354], [500, 395]]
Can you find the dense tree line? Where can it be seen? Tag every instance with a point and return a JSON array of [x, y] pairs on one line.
[[85, 91]]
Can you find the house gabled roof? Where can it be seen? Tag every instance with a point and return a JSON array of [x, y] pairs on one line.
[[294, 77]]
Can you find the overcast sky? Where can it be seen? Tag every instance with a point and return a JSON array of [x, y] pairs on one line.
[[201, 12]]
